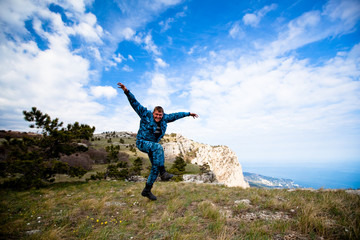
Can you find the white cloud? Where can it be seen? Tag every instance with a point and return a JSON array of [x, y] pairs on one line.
[[126, 68], [276, 101], [96, 53], [192, 49], [13, 13], [236, 31], [131, 58], [150, 45], [137, 13], [118, 58], [76, 5], [253, 19], [161, 63], [128, 26], [145, 7], [170, 40], [147, 42], [166, 24], [160, 90], [301, 31], [314, 26], [344, 10], [103, 91], [89, 29], [54, 79], [115, 61], [128, 33], [270, 105], [51, 80], [57, 79]]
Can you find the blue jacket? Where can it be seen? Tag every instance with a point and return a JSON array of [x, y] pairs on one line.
[[147, 122]]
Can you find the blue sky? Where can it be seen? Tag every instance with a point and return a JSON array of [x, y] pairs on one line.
[[273, 80]]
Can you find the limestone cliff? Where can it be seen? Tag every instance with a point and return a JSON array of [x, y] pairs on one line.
[[222, 161]]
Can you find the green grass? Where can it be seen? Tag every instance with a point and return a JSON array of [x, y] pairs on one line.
[[192, 169], [115, 210]]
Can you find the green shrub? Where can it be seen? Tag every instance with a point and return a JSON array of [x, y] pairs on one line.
[[178, 167], [113, 152], [137, 167], [117, 173]]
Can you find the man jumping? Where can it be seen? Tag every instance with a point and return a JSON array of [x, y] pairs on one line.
[[152, 129]]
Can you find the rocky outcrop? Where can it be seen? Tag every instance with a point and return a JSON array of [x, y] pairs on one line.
[[208, 177], [175, 145], [222, 161]]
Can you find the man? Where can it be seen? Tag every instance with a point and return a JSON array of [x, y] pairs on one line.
[[152, 129]]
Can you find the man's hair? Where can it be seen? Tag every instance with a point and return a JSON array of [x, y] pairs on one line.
[[159, 109]]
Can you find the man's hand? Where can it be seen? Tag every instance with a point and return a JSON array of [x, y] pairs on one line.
[[122, 86], [194, 115]]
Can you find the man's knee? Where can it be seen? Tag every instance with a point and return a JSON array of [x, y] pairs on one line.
[[158, 148]]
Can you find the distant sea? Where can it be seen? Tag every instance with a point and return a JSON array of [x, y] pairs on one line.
[[334, 175]]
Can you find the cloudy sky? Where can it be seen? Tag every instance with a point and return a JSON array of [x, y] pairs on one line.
[[275, 81]]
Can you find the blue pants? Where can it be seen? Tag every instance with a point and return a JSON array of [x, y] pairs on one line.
[[156, 156]]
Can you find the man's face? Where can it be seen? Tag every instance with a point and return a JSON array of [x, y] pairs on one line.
[[157, 116]]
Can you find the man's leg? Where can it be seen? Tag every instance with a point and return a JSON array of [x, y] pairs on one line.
[[157, 160], [147, 190], [156, 156]]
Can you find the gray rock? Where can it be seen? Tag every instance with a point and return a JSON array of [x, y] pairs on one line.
[[208, 177], [246, 202], [136, 179], [31, 232], [353, 192]]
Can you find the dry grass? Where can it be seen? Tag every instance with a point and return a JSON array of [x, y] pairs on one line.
[[115, 210]]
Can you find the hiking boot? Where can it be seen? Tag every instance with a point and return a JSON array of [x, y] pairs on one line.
[[166, 176], [147, 193]]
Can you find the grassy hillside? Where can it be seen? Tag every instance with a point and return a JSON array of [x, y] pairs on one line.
[[115, 210], [75, 209]]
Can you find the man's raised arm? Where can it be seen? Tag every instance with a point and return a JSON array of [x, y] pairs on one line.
[[122, 86], [139, 109]]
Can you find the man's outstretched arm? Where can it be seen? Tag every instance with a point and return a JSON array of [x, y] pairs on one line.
[[139, 109], [175, 116]]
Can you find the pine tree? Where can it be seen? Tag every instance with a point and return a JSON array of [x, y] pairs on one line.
[[137, 167], [33, 162], [179, 166], [113, 152]]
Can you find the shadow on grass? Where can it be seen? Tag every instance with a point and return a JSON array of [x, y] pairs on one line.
[[50, 186], [60, 185]]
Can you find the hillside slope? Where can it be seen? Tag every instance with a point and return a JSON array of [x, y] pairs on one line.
[[115, 210], [220, 159]]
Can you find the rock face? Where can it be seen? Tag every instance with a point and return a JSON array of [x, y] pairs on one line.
[[222, 161], [176, 144]]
